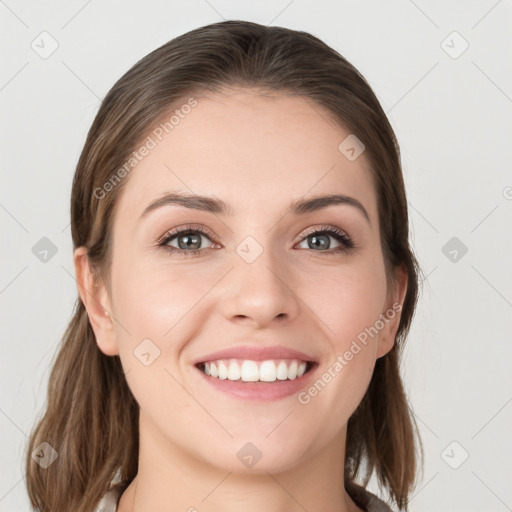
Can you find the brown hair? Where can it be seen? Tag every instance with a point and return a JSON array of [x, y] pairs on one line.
[[91, 416]]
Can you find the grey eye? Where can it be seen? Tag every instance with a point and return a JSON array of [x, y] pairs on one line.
[[189, 240], [318, 241]]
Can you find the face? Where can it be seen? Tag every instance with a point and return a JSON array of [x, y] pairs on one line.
[[254, 277]]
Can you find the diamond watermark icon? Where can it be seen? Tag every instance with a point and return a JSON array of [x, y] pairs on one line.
[[44, 250], [454, 249], [351, 147], [249, 249], [454, 45], [454, 455], [146, 352], [249, 454], [44, 45], [45, 455]]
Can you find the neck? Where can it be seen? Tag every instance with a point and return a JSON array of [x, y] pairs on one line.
[[172, 476]]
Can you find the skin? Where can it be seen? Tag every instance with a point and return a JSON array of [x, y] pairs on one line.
[[257, 153]]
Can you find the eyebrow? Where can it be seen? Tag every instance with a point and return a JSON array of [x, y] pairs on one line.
[[219, 207]]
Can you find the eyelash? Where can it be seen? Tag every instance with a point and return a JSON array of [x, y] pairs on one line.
[[338, 234]]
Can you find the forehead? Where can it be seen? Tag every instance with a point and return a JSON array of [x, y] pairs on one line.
[[248, 149]]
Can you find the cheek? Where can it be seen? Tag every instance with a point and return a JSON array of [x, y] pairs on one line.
[[149, 300], [347, 300], [348, 305], [151, 305]]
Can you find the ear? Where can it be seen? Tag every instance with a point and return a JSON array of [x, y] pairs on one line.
[[392, 312], [96, 300]]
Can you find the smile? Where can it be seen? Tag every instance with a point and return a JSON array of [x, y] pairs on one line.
[[256, 371]]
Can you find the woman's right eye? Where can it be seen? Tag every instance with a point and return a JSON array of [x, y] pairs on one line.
[[189, 241]]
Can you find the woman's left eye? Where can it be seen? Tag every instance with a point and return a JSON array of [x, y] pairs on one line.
[[189, 241], [320, 239]]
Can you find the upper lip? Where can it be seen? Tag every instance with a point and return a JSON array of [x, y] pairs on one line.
[[258, 353]]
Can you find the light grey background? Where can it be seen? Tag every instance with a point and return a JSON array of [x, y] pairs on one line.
[[452, 113]]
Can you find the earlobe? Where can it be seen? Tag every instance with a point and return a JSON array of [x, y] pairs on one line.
[[94, 296], [392, 314]]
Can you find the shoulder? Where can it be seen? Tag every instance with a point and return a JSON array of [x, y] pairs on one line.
[[109, 501], [367, 500], [376, 504], [363, 498]]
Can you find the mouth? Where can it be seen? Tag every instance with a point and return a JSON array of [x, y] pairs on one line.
[[256, 373], [247, 370]]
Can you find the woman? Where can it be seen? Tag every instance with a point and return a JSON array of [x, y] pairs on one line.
[[246, 285]]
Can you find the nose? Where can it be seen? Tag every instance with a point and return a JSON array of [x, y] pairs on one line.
[[260, 292]]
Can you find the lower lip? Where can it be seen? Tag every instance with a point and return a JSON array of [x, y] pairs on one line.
[[263, 391]]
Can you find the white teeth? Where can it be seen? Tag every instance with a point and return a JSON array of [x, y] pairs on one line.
[[268, 371], [233, 371], [223, 370], [282, 371], [249, 371], [292, 370], [253, 371]]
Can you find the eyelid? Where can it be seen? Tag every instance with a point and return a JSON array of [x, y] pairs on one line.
[[180, 229], [324, 227]]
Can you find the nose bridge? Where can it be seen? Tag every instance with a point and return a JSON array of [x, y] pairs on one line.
[[263, 289]]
